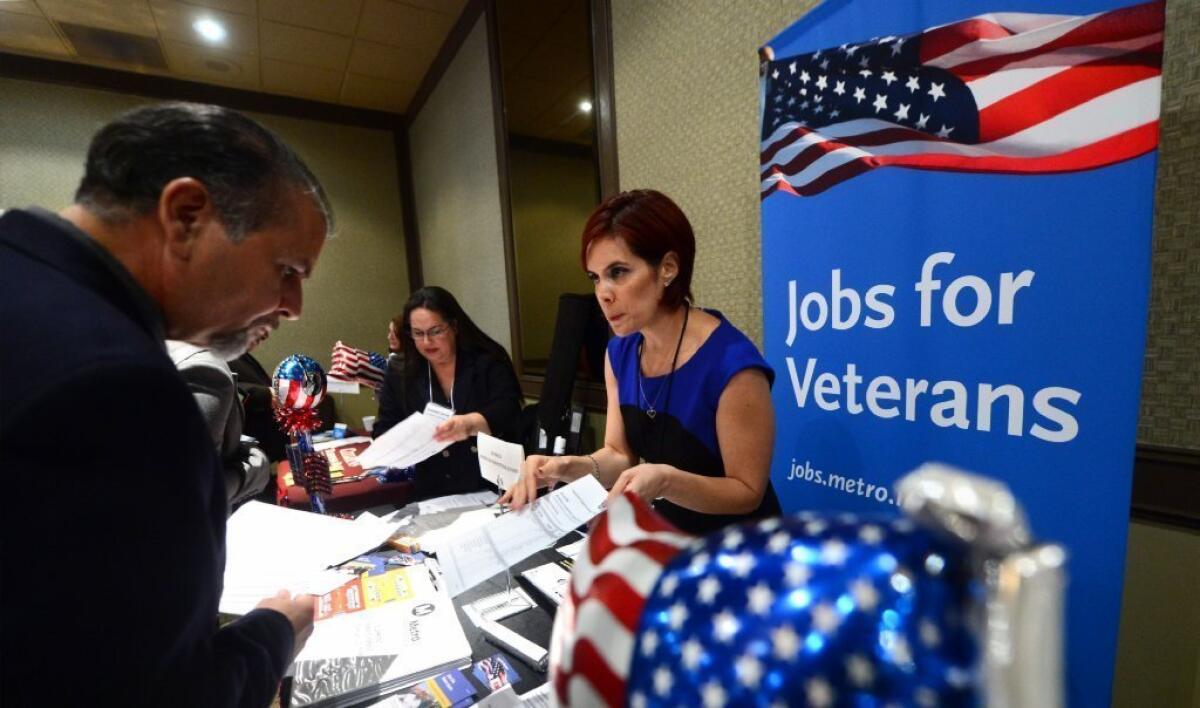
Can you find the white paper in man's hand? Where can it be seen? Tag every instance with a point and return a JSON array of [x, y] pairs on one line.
[[499, 461], [410, 441]]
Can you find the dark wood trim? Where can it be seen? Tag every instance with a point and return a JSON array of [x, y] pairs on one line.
[[558, 148], [605, 98], [1166, 485], [454, 41], [408, 209], [501, 125], [16, 66]]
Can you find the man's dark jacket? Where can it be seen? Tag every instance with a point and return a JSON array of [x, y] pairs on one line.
[[114, 510]]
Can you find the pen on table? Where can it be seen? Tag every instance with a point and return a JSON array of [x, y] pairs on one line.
[[433, 578]]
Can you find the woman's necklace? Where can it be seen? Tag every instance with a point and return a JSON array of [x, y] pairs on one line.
[[651, 407]]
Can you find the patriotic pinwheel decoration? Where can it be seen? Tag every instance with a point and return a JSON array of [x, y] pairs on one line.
[[949, 606], [299, 386]]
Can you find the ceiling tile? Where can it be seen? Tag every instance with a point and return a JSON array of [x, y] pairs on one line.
[[241, 7], [393, 63], [132, 16], [175, 21], [400, 25], [29, 33], [23, 7], [304, 46], [446, 7], [368, 92], [211, 66], [303, 81], [340, 17]]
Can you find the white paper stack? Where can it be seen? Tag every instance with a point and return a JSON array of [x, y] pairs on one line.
[[269, 548]]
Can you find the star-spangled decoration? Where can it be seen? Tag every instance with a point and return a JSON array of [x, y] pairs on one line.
[[693, 652], [649, 643], [872, 79], [749, 670], [870, 534], [809, 610], [860, 671], [820, 693], [866, 597], [742, 564], [797, 573], [667, 586], [725, 626], [714, 695], [779, 542], [663, 681], [759, 599], [677, 615]]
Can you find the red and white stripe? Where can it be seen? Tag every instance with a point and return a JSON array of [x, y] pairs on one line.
[[595, 627], [354, 365], [1055, 94], [291, 394]]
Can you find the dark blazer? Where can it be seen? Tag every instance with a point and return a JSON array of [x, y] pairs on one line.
[[482, 384], [113, 534]]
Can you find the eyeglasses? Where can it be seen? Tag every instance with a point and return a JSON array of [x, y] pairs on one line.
[[429, 334]]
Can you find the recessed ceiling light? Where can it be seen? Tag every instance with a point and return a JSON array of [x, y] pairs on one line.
[[585, 106], [209, 29]]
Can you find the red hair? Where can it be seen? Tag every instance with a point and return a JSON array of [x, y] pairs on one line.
[[652, 226]]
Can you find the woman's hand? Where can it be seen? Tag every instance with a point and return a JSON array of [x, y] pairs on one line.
[[647, 481], [460, 427], [537, 471]]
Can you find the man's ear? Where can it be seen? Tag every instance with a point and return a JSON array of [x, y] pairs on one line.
[[185, 209]]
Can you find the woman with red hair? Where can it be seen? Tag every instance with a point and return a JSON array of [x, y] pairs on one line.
[[690, 425]]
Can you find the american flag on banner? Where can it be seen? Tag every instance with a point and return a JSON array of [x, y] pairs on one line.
[[357, 365], [594, 629], [1002, 92]]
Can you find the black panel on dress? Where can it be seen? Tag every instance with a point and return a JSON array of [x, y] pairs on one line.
[[664, 440]]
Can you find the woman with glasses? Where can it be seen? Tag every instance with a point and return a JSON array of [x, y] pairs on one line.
[[690, 425], [451, 370]]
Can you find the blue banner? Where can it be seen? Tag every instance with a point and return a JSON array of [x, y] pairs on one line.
[[957, 207]]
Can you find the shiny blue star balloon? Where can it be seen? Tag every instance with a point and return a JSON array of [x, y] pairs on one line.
[[834, 611], [818, 610]]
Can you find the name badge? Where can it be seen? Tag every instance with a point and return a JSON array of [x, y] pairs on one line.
[[438, 412]]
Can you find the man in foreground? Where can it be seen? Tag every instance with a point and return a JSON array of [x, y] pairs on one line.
[[194, 223]]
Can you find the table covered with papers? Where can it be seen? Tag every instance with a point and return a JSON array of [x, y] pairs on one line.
[[392, 632]]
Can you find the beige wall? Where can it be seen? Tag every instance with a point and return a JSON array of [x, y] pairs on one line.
[[456, 184], [361, 279], [697, 61], [1158, 654], [552, 196], [686, 78]]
